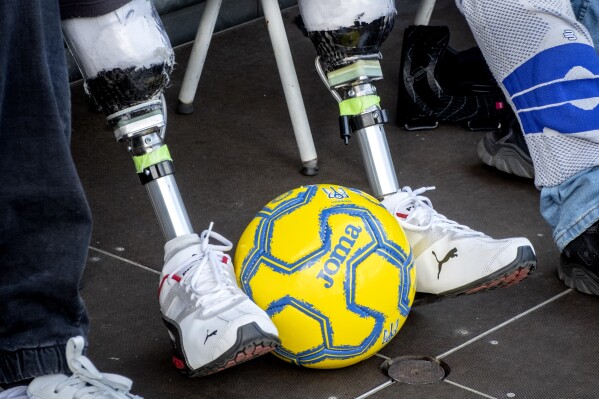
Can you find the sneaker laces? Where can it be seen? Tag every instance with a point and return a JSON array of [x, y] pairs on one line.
[[422, 215], [206, 276], [88, 381]]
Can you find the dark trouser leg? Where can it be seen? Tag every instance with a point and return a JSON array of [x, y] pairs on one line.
[[45, 222]]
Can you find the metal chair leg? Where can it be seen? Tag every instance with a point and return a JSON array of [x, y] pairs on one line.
[[425, 10], [278, 37], [198, 56], [293, 95]]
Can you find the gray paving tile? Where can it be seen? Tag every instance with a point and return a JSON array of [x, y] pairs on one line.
[[127, 337], [547, 354], [237, 151]]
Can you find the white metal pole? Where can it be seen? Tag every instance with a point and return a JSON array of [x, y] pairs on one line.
[[293, 95], [425, 10], [198, 56]]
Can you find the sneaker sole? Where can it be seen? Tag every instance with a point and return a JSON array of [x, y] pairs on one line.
[[506, 160], [524, 263], [579, 278], [251, 342]]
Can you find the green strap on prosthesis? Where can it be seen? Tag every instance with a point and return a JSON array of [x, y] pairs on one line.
[[357, 105], [151, 158]]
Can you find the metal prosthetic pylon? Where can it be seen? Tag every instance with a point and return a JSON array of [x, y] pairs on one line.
[[142, 127], [362, 116]]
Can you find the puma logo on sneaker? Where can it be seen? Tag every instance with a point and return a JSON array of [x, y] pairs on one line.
[[199, 292], [484, 263], [453, 253], [209, 335]]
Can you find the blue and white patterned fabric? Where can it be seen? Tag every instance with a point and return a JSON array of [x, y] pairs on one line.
[[545, 61], [542, 54]]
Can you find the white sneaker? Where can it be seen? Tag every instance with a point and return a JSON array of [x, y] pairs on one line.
[[452, 259], [86, 382], [213, 325], [19, 392]]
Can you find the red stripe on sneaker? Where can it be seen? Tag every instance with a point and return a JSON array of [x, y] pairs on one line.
[[161, 284], [178, 363], [175, 277], [401, 215]]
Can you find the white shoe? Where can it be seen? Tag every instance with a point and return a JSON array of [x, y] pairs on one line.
[[452, 259], [213, 325], [86, 382], [19, 392]]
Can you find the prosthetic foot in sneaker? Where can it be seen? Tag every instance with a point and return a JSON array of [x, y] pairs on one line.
[[452, 259], [579, 262], [85, 382], [213, 325]]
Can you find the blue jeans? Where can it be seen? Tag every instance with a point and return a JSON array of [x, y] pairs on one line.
[[587, 13], [45, 221], [573, 206]]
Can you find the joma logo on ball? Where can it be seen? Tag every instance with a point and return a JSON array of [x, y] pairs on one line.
[[339, 255]]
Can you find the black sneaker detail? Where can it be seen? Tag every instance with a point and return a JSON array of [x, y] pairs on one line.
[[251, 342], [209, 334], [453, 253], [579, 262], [506, 150]]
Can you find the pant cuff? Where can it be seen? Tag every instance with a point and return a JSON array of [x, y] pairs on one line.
[[26, 364]]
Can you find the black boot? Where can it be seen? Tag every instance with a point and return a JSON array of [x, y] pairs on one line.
[[579, 262], [439, 84]]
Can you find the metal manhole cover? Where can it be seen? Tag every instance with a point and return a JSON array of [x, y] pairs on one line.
[[415, 369]]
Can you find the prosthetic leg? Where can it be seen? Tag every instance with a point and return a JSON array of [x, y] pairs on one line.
[[126, 58], [347, 36], [348, 63]]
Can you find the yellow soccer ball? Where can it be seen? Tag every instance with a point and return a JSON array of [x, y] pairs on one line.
[[334, 271]]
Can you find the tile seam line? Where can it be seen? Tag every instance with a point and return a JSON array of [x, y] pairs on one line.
[[505, 323], [376, 389], [478, 337], [124, 260], [455, 384], [390, 382]]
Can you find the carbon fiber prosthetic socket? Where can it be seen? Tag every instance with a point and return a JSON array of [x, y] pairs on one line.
[[342, 30], [125, 56]]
